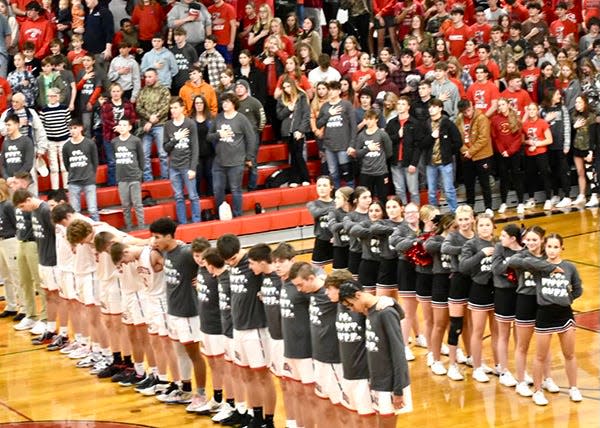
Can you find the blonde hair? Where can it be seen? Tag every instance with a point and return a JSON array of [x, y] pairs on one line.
[[464, 210], [258, 25], [428, 212], [4, 192]]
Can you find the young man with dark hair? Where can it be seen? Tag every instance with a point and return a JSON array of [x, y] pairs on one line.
[[444, 90], [161, 59], [382, 83], [249, 330], [182, 308], [531, 74], [18, 151], [483, 94], [535, 29], [185, 56], [212, 61], [388, 370]]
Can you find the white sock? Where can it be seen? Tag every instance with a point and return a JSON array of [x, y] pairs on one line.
[[290, 423], [51, 326], [139, 369], [241, 408], [96, 347], [163, 377], [154, 370], [84, 340], [78, 337], [106, 352], [63, 331]]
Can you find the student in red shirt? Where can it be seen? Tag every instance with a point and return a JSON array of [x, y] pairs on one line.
[[564, 29], [483, 54], [293, 71], [428, 64], [538, 137], [348, 63], [517, 97], [531, 74], [383, 19], [481, 30], [483, 93], [365, 75], [457, 35], [469, 59], [507, 139], [224, 26]]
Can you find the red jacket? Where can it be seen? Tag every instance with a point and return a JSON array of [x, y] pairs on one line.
[[149, 20]]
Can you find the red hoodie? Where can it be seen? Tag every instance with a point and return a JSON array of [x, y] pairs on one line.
[[40, 32]]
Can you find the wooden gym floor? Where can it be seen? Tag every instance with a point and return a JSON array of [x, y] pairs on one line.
[[37, 386]]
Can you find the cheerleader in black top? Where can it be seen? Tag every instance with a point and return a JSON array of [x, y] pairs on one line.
[[343, 206], [361, 199]]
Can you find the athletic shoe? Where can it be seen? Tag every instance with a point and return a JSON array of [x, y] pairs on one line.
[[480, 376], [580, 200], [198, 404], [520, 209], [148, 381], [530, 204], [122, 375], [539, 398], [59, 343], [574, 394], [523, 389], [528, 379], [564, 203], [132, 379], [38, 328], [18, 317], [408, 354], [507, 379], [101, 365], [179, 397], [469, 361], [6, 314], [420, 341], [235, 418], [486, 369], [497, 370], [454, 372], [111, 370], [593, 202], [502, 208], [210, 406], [547, 205], [89, 361], [157, 389], [255, 423], [224, 412], [80, 353], [461, 358], [246, 420], [430, 359], [549, 385], [25, 324], [70, 347], [489, 212], [437, 368], [444, 350], [43, 339], [168, 391]]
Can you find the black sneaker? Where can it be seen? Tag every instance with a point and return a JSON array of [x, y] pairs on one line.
[[147, 382], [6, 314], [246, 419], [18, 317], [111, 370], [132, 379], [234, 419], [58, 343], [256, 423], [123, 375], [43, 339]]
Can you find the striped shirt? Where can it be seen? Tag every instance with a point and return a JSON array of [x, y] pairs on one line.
[[56, 121]]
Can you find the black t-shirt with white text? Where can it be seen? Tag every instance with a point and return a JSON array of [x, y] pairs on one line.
[[180, 270]]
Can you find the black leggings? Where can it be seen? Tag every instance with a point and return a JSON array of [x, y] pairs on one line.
[[479, 169], [510, 170], [376, 184], [538, 165], [297, 162], [560, 172]]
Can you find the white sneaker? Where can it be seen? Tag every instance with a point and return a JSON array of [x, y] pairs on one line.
[[79, 353], [70, 348], [38, 328], [530, 204], [89, 361], [523, 389], [486, 369], [437, 368], [24, 324], [580, 200], [564, 203], [213, 406], [408, 354], [225, 411], [454, 372], [593, 202], [528, 379], [547, 205], [520, 209], [198, 404], [555, 199], [480, 376], [539, 398], [420, 341], [502, 208], [507, 379], [549, 385], [430, 359], [444, 350], [469, 361], [489, 212], [574, 394], [461, 358]]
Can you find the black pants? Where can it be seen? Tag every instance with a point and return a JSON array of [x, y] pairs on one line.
[[360, 29], [510, 170], [479, 169], [560, 172], [376, 184], [330, 9], [204, 174], [297, 162], [538, 165]]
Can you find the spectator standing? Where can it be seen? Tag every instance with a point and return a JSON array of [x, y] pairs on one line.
[[47, 79], [256, 79], [185, 56], [125, 71], [197, 86], [224, 26], [56, 119], [18, 152], [153, 108], [6, 38], [89, 85], [255, 113], [148, 16], [99, 32], [160, 59], [36, 29], [22, 80], [194, 18], [324, 72], [212, 60], [206, 152], [444, 90]]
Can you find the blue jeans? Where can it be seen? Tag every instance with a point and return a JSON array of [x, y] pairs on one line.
[[109, 153], [339, 167], [232, 175], [225, 53], [90, 197], [156, 133], [447, 173], [405, 182], [179, 178]]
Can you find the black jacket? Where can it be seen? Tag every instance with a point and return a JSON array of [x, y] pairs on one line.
[[450, 141], [413, 134], [258, 83]]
